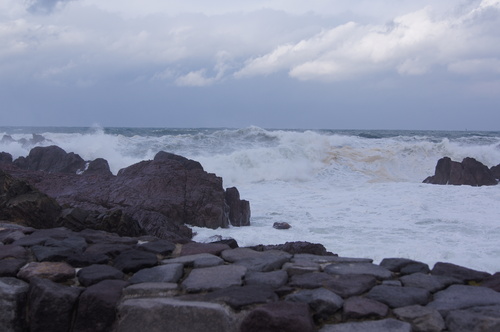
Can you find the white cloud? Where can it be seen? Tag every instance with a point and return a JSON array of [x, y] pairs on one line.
[[489, 66]]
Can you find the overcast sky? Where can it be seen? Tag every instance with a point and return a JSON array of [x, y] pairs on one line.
[[336, 64]]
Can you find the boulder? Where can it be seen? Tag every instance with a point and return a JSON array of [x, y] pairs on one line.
[[348, 285], [384, 325], [5, 158], [196, 261], [58, 272], [274, 279], [212, 278], [93, 274], [135, 260], [476, 319], [457, 297], [469, 172], [13, 295], [396, 297], [297, 247], [165, 273], [377, 271], [458, 272], [358, 307], [51, 159], [239, 210], [421, 318], [98, 166], [432, 283], [282, 225], [322, 302]]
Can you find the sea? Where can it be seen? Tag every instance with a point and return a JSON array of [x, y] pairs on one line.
[[357, 192]]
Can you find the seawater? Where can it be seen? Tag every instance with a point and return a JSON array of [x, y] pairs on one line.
[[358, 192]]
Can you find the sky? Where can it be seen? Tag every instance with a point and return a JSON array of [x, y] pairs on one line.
[[317, 64]]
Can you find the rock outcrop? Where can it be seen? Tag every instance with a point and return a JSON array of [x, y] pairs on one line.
[[469, 172], [157, 197], [146, 283]]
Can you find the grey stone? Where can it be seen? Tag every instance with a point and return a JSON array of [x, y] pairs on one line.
[[458, 272], [385, 325], [194, 248], [10, 267], [163, 273], [93, 274], [301, 267], [11, 236], [361, 307], [151, 289], [162, 247], [278, 317], [396, 297], [351, 285], [311, 280], [135, 260], [476, 319], [211, 278], [492, 282], [86, 259], [238, 297], [52, 254], [166, 314], [76, 243], [395, 283], [13, 294], [323, 302], [111, 250], [274, 279], [458, 297], [256, 260], [377, 271], [422, 319], [429, 282], [197, 260], [13, 251], [330, 259], [55, 271], [404, 265], [51, 305]]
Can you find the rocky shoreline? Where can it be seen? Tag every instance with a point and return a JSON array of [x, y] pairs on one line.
[[61, 280]]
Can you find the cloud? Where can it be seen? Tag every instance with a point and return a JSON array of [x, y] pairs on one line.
[[44, 6]]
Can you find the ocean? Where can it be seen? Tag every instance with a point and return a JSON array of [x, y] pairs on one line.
[[358, 192]]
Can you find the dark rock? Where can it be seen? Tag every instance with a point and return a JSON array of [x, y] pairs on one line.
[[94, 236], [164, 273], [86, 259], [257, 261], [238, 297], [10, 236], [377, 271], [93, 274], [51, 159], [297, 247], [495, 170], [432, 283], [458, 272], [109, 249], [194, 248], [476, 319], [5, 158], [299, 266], [98, 166], [404, 265], [13, 294], [10, 267], [282, 225], [384, 325], [151, 290], [363, 308], [212, 278], [492, 282], [162, 247], [310, 280], [351, 285], [239, 210], [458, 297], [323, 302], [230, 242], [396, 297], [278, 317], [135, 260], [51, 305], [13, 251], [468, 172], [274, 279], [422, 319], [55, 271], [52, 254], [197, 261], [97, 306]]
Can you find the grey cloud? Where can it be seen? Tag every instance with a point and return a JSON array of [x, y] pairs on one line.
[[44, 6]]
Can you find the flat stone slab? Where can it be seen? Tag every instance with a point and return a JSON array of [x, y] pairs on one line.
[[167, 314], [377, 271], [162, 247], [458, 272], [162, 273], [301, 266], [458, 297], [262, 261], [197, 260], [477, 319], [350, 285], [274, 279], [385, 325], [150, 289], [52, 254], [310, 280], [238, 297], [432, 283], [422, 319], [55, 271], [93, 274], [396, 297], [212, 278], [358, 307]]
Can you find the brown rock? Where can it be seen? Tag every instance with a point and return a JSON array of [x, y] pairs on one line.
[[57, 272]]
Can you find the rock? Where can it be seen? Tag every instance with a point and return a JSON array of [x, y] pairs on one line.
[[377, 271], [495, 170], [384, 325], [51, 159], [458, 297], [323, 302], [330, 258], [193, 248], [111, 250], [476, 319], [492, 282], [363, 308], [98, 166], [135, 260], [301, 267], [168, 314], [277, 317], [162, 247], [350, 285], [469, 172], [86, 259], [238, 297], [257, 261], [10, 267], [274, 279], [5, 158], [297, 247], [239, 210], [212, 278], [165, 273], [422, 319], [97, 306], [404, 265], [13, 294], [282, 225], [13, 251], [458, 272], [397, 297], [58, 272], [51, 305], [198, 260], [52, 254], [432, 283], [310, 280], [93, 274], [151, 289]]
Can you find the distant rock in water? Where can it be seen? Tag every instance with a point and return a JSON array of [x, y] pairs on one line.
[[157, 197], [495, 170], [469, 172]]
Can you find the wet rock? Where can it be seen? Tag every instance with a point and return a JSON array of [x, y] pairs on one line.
[[274, 279], [165, 273], [55, 271], [51, 159], [212, 278], [476, 319], [166, 314], [377, 271], [323, 302], [239, 210], [362, 308], [5, 158], [86, 259], [51, 305], [279, 316], [98, 166], [458, 272], [297, 247], [385, 325], [93, 274], [13, 295], [495, 170], [422, 319], [469, 172], [432, 283], [458, 297], [397, 297], [111, 250], [52, 254], [135, 260], [97, 306]]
